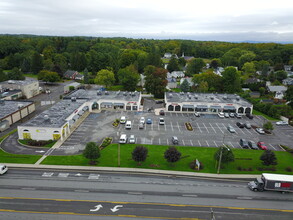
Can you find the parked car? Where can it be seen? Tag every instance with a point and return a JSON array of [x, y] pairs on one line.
[[159, 101], [243, 143], [162, 112], [226, 115], [161, 121], [281, 123], [249, 116], [232, 115], [175, 140], [262, 145], [240, 124], [142, 120], [128, 125], [247, 125], [260, 130], [221, 115], [149, 121], [132, 139], [122, 120], [252, 145], [3, 169], [197, 114], [140, 125], [231, 129], [123, 139], [237, 115]]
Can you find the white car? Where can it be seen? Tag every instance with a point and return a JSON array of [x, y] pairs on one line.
[[260, 130], [161, 121], [132, 139], [142, 120], [122, 120], [3, 169], [281, 123], [221, 115]]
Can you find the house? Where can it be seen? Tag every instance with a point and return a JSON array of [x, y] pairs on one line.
[[288, 67], [172, 83], [278, 90], [252, 80], [288, 81], [167, 55], [189, 80], [187, 58], [254, 94], [71, 74], [219, 71], [175, 74]]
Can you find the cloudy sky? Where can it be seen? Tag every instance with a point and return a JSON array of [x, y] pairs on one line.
[[224, 20]]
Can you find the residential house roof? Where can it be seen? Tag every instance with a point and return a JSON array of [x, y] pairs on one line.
[[288, 81], [277, 88]]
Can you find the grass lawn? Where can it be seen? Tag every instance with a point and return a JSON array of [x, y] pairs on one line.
[[4, 136], [31, 75], [255, 112], [18, 158], [115, 88], [245, 159]]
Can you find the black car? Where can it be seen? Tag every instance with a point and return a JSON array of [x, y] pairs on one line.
[[240, 124], [244, 143], [249, 116]]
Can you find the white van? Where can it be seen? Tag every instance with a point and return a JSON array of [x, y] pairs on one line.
[[3, 169], [122, 120], [123, 139], [128, 125], [161, 121]]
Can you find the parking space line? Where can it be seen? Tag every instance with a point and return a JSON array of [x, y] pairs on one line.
[[205, 127], [159, 141], [231, 144], [172, 126], [273, 147], [215, 144], [241, 130], [199, 143], [159, 126], [248, 131], [178, 126], [219, 128], [212, 128], [183, 142], [198, 127], [208, 143], [167, 142], [191, 143], [165, 127]]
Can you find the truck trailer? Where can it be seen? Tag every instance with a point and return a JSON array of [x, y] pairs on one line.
[[273, 182]]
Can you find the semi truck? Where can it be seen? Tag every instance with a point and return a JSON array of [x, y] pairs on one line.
[[273, 182]]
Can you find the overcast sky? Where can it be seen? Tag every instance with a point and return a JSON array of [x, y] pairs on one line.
[[224, 20]]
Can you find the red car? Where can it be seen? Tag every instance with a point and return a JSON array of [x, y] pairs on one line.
[[262, 145]]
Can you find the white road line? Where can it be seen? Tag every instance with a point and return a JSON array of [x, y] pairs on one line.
[[273, 147], [219, 128], [231, 145], [47, 174], [165, 127], [94, 176], [248, 131], [159, 126], [172, 126], [63, 174], [178, 126], [241, 130], [205, 127], [191, 143], [167, 142], [183, 142], [189, 195], [212, 128], [199, 143], [198, 127], [215, 144], [159, 141], [208, 143], [81, 190]]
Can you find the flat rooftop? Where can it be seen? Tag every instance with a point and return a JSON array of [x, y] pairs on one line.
[[19, 82], [8, 107], [206, 98], [55, 116], [9, 93], [95, 95]]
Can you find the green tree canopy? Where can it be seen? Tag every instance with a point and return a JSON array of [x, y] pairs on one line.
[[268, 158], [280, 75], [249, 68], [48, 76], [213, 80], [37, 63], [268, 126], [185, 86], [16, 74], [3, 76], [231, 80], [128, 77], [91, 152], [155, 81], [227, 155], [139, 154], [173, 64], [215, 63], [194, 66], [105, 77], [172, 155]]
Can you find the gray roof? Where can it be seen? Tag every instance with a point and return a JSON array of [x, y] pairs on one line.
[[19, 82], [56, 115], [105, 95], [277, 88], [69, 73], [8, 107], [206, 98]]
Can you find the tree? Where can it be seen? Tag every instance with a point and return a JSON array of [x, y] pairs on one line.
[[139, 154], [280, 75], [37, 63], [268, 126], [268, 158], [215, 63], [173, 64], [105, 77], [225, 153], [91, 152], [262, 91], [231, 80], [203, 86], [172, 155], [16, 74], [249, 68], [185, 86], [194, 66], [155, 81], [3, 76], [213, 80], [48, 76], [85, 76], [289, 95], [128, 77]]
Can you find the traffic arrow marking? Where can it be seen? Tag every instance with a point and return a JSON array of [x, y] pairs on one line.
[[40, 151], [115, 209], [78, 174], [97, 208]]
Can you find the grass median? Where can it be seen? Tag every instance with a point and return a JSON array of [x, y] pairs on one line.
[[246, 161], [18, 158]]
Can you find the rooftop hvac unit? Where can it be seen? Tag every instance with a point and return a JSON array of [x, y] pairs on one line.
[[73, 99], [124, 93], [212, 98], [20, 106], [170, 95], [106, 93], [237, 98], [46, 117], [196, 97]]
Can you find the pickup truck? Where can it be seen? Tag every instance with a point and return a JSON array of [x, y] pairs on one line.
[[273, 182]]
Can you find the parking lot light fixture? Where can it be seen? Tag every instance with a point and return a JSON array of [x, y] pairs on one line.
[[220, 158]]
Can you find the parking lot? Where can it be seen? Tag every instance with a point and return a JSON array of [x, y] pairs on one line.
[[208, 130]]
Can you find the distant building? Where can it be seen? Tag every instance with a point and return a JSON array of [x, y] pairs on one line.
[[167, 55], [252, 80], [288, 68], [10, 94], [175, 74], [278, 90], [288, 81], [189, 80], [72, 74], [172, 83], [219, 71], [28, 87], [75, 85], [141, 80]]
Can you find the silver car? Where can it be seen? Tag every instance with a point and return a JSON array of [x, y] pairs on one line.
[[260, 130], [175, 140], [231, 129], [132, 139]]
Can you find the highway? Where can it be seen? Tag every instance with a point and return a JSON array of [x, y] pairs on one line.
[[65, 194]]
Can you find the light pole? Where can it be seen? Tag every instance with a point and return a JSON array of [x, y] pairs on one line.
[[220, 159]]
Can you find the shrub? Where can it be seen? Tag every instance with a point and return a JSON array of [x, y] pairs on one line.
[[107, 141], [289, 169]]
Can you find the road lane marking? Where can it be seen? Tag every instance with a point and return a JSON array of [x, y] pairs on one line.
[[231, 144], [191, 143], [215, 144], [47, 174], [94, 176], [273, 147], [178, 126], [63, 174], [207, 143], [199, 143], [205, 127], [219, 128], [183, 142], [172, 126], [212, 128], [198, 127]]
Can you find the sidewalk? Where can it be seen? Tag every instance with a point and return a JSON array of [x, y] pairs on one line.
[[135, 170]]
